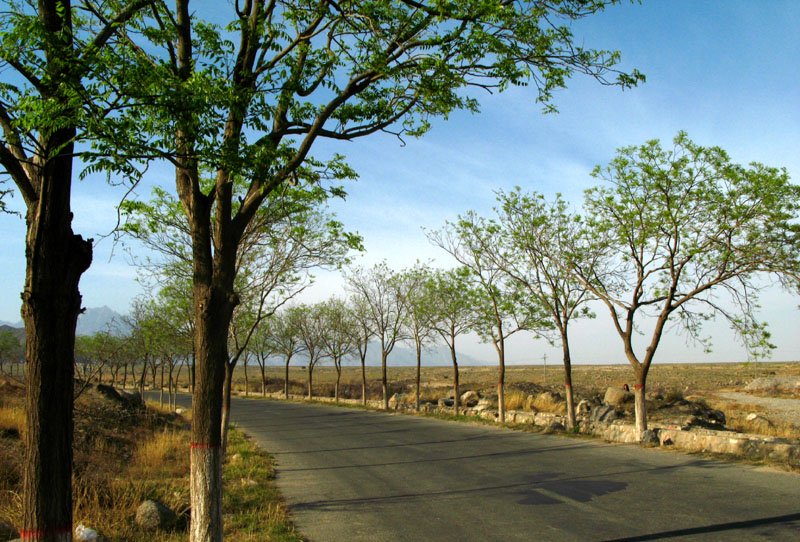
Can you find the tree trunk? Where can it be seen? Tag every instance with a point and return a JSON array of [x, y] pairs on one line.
[[310, 371], [455, 378], [384, 381], [419, 371], [639, 402], [286, 380], [501, 380], [55, 260], [226, 404], [338, 378], [246, 381], [568, 382], [363, 380], [214, 310], [263, 379], [161, 387]]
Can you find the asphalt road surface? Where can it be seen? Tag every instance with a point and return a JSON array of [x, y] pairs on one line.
[[354, 475]]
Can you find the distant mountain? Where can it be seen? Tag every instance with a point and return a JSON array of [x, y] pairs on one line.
[[11, 324], [91, 321], [100, 319], [401, 356]]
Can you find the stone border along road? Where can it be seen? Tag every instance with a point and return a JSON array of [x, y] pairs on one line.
[[356, 475]]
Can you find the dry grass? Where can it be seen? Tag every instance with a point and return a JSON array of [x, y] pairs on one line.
[[514, 399], [737, 420], [12, 419], [124, 457], [546, 402]]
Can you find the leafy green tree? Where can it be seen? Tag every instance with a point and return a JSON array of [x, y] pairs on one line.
[[500, 310], [363, 333], [11, 350], [454, 300], [378, 291], [418, 323], [308, 70], [53, 58], [279, 335], [311, 328], [537, 236], [678, 228], [337, 341]]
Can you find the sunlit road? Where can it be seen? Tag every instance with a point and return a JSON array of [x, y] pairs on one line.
[[353, 475]]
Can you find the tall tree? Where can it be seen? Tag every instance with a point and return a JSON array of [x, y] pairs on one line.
[[337, 340], [378, 290], [53, 57], [311, 327], [677, 228], [537, 235], [454, 300], [500, 310], [363, 333], [418, 324], [309, 70]]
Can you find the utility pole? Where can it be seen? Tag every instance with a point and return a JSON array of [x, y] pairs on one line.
[[544, 358]]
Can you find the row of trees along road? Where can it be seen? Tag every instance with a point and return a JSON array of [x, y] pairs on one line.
[[235, 104], [674, 235]]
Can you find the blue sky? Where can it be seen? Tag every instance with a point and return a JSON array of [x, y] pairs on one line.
[[724, 71]]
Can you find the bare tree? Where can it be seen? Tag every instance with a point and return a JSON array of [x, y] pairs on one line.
[[378, 291], [454, 300]]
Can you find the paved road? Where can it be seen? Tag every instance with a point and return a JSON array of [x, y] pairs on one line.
[[353, 475]]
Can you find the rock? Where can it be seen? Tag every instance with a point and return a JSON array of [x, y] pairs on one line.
[[775, 383], [553, 427], [758, 423], [85, 534], [649, 436], [617, 397], [247, 482], [470, 398], [179, 411], [584, 407], [445, 402], [133, 398], [603, 413], [395, 401], [152, 515]]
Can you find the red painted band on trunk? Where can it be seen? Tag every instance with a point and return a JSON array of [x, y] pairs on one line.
[[567, 384], [224, 407], [204, 446], [33, 534], [638, 386]]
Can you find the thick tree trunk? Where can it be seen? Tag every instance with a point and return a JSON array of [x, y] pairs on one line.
[[55, 260], [161, 387], [226, 404], [263, 380], [639, 403], [214, 310], [419, 372]]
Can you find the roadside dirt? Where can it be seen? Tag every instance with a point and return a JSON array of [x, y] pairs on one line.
[[774, 408]]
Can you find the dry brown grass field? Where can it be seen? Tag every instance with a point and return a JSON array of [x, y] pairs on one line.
[[688, 379]]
